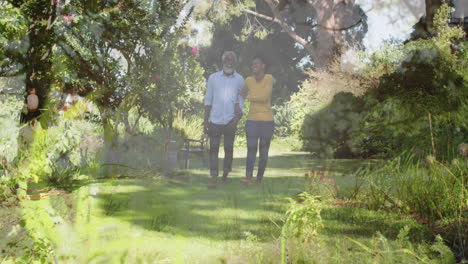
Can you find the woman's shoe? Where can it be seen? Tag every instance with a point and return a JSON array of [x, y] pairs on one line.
[[212, 186], [213, 183], [246, 181]]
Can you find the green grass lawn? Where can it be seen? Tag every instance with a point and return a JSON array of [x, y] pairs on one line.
[[177, 219]]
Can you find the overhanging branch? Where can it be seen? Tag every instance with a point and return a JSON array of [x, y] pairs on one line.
[[279, 19], [273, 19]]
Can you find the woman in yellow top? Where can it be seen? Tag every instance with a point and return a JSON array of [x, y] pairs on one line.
[[259, 126]]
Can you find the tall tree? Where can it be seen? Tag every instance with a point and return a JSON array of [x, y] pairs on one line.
[[100, 47], [431, 8], [322, 28], [31, 56]]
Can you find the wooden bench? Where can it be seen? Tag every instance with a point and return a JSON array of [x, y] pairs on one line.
[[202, 144]]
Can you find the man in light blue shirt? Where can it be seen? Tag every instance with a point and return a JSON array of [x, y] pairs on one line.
[[223, 104]]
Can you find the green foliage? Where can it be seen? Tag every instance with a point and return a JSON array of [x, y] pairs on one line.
[[56, 153], [433, 191], [418, 96], [9, 130], [317, 92], [429, 189], [321, 185], [11, 108], [429, 79], [179, 88], [13, 30], [381, 250], [191, 126], [303, 217], [283, 115], [326, 133]]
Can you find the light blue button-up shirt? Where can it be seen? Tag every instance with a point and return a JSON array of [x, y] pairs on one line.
[[222, 93]]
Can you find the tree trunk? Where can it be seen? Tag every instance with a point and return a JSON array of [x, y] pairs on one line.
[[334, 18], [37, 61], [325, 42], [431, 9], [38, 66], [110, 142]]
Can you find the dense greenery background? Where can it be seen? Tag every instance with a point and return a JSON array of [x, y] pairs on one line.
[[139, 69]]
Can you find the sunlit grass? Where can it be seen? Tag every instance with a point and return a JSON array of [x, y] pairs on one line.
[[176, 219]]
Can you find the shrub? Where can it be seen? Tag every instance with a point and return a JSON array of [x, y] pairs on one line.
[[328, 132], [315, 93], [433, 191], [303, 217], [321, 185], [283, 115], [419, 102], [10, 106], [9, 126], [190, 126]]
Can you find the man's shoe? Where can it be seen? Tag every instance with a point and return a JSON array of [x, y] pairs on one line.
[[224, 179], [213, 183], [259, 181]]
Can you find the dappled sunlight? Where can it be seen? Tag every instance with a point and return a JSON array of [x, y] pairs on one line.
[[241, 131]]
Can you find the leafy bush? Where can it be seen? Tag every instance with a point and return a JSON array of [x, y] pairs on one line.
[[190, 126], [433, 191], [328, 132], [382, 250], [316, 92], [50, 146], [57, 152], [9, 126], [321, 185], [303, 217], [10, 106], [418, 101], [282, 116]]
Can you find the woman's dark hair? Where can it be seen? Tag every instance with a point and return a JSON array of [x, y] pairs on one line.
[[262, 59]]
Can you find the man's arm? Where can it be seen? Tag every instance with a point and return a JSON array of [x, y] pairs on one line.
[[240, 101], [206, 118]]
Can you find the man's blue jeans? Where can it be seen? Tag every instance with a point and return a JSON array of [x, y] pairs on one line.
[[214, 132], [258, 132]]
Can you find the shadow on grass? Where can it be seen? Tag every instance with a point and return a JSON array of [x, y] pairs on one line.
[[183, 206], [363, 223], [303, 161], [191, 209]]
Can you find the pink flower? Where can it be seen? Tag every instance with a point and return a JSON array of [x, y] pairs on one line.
[[155, 78], [331, 181], [68, 18], [195, 51]]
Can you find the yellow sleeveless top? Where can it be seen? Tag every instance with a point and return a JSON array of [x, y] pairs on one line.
[[259, 95]]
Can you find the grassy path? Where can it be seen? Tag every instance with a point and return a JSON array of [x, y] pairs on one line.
[[178, 220]]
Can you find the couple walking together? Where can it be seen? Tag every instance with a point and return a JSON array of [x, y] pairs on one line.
[[224, 99]]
